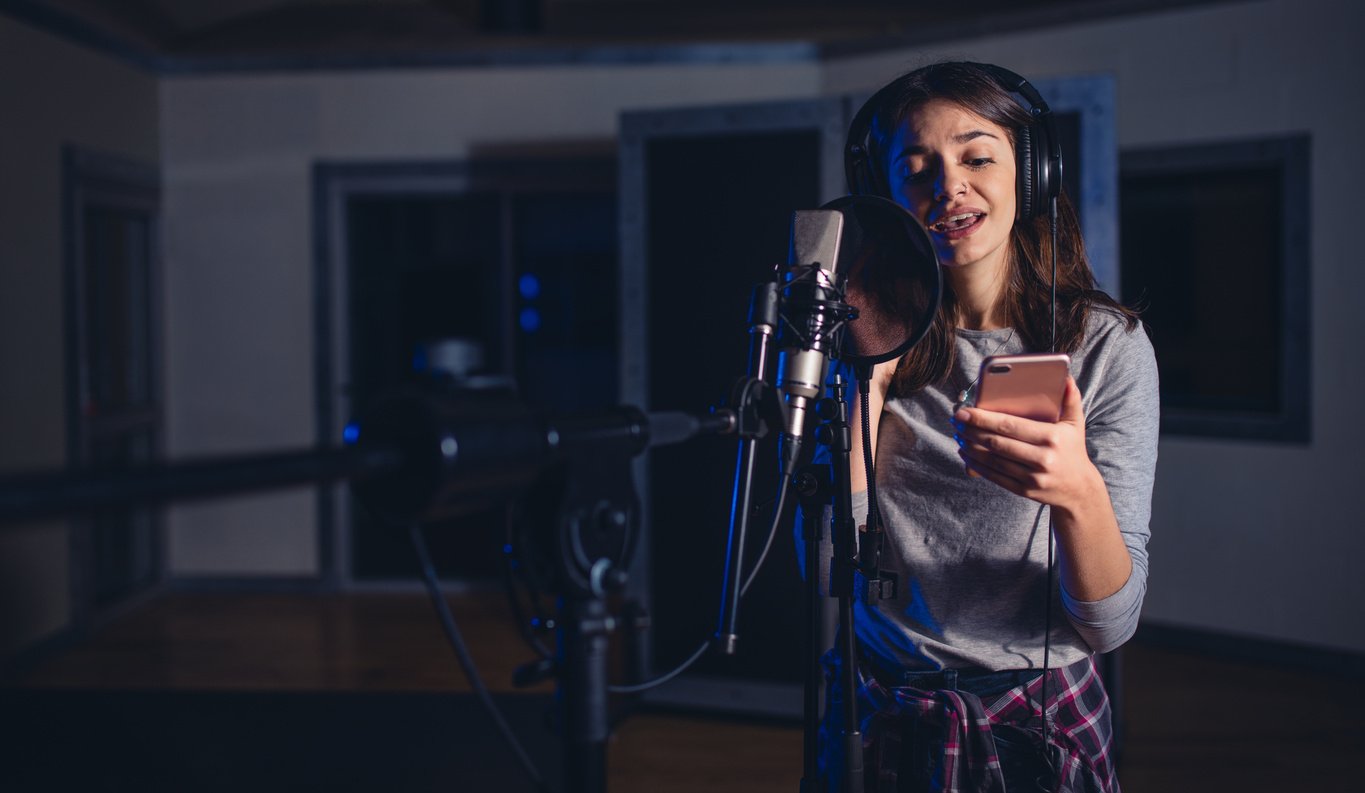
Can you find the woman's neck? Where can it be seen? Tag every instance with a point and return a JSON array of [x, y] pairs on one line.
[[979, 292]]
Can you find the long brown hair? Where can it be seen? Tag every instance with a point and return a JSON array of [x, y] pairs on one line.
[[1028, 286]]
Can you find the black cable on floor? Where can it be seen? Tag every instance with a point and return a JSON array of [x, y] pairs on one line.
[[457, 643]]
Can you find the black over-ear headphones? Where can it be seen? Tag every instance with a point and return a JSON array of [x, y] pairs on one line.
[[1038, 152]]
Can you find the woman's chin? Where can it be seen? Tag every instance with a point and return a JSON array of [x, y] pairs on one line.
[[956, 259], [959, 257]]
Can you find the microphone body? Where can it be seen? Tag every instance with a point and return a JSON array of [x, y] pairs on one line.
[[813, 314]]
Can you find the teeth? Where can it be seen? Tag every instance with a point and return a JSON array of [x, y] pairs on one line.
[[955, 220]]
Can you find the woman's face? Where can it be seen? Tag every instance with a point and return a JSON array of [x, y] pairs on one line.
[[954, 170]]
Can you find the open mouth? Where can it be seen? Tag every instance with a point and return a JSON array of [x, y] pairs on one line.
[[958, 222]]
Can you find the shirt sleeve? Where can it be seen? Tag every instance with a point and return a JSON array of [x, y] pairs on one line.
[[1118, 381]]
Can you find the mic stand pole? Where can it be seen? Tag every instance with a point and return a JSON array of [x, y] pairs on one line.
[[842, 566], [584, 552], [583, 692], [590, 544], [754, 403], [819, 485], [813, 486]]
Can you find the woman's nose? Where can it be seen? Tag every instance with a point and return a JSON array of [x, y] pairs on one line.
[[949, 182]]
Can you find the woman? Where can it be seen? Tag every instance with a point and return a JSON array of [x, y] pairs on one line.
[[951, 665]]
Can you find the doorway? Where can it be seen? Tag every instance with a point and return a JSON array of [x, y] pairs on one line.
[[114, 403], [518, 257]]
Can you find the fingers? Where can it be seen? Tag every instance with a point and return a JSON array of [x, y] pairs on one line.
[[1010, 458], [1041, 460], [1022, 479], [1022, 429], [1036, 456], [1028, 458], [1034, 443], [1009, 475]]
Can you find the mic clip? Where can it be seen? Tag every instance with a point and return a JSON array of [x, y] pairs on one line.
[[875, 583], [756, 407], [883, 587]]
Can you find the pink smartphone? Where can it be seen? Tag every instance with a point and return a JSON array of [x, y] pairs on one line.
[[1030, 386]]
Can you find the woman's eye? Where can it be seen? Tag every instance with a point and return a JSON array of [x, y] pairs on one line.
[[910, 176], [979, 162]]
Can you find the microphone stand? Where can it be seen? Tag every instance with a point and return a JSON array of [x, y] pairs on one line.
[[430, 455], [813, 488], [754, 403], [819, 485]]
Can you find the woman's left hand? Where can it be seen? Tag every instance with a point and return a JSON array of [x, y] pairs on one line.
[[1049, 463], [1046, 462]]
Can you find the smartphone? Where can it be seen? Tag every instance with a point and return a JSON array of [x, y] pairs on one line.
[[1030, 386]]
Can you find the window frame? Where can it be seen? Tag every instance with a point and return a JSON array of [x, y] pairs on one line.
[[1291, 155]]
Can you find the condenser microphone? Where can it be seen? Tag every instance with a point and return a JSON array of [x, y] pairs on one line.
[[813, 311]]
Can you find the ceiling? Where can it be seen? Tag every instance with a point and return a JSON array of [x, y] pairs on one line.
[[206, 34]]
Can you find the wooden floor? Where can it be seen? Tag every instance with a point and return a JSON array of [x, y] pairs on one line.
[[1193, 723]]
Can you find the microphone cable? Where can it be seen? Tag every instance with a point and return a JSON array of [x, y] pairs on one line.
[[778, 511], [510, 565], [461, 649]]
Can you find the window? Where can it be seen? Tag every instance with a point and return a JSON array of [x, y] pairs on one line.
[[1215, 251]]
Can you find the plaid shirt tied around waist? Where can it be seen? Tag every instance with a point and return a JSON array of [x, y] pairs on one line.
[[920, 740]]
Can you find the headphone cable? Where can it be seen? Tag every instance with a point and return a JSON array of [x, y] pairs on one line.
[[1051, 564]]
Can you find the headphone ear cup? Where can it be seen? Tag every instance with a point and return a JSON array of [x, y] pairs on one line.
[[1027, 175], [862, 170], [858, 170]]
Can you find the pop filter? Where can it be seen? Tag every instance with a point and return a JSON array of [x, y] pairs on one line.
[[893, 279]]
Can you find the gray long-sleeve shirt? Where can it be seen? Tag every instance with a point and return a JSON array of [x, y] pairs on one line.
[[971, 557]]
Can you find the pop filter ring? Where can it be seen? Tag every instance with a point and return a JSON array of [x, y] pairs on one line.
[[912, 245]]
